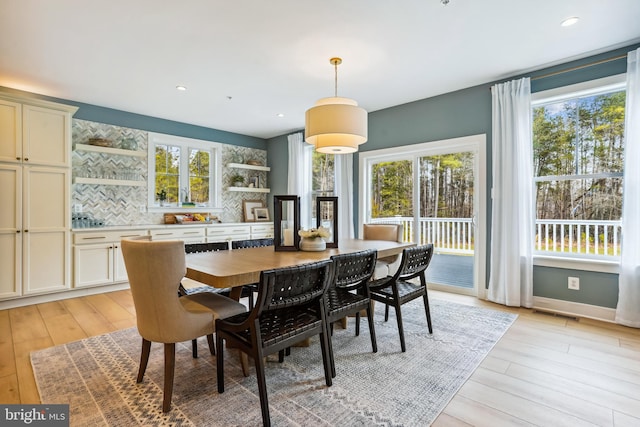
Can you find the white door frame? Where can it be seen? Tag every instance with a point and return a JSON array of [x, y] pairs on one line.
[[473, 143]]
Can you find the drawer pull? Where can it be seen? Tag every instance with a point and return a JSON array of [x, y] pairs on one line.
[[191, 232], [94, 238], [130, 235], [164, 234]]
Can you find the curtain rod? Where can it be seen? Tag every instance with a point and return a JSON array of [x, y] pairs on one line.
[[579, 67]]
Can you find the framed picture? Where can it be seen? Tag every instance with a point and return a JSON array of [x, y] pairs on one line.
[[254, 181], [261, 214], [247, 209]]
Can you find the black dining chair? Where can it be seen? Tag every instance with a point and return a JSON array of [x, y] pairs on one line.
[[290, 307], [399, 289], [348, 293]]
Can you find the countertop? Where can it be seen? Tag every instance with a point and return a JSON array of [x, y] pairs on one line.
[[159, 226]]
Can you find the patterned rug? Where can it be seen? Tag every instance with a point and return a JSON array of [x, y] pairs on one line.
[[96, 376]]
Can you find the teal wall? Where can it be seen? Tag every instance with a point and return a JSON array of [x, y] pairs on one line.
[[151, 124], [468, 112]]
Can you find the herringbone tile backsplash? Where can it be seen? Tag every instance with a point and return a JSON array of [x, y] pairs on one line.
[[121, 205]]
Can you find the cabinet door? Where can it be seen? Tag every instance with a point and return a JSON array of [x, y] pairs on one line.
[[46, 235], [10, 230], [93, 264], [10, 131], [119, 269], [46, 136]]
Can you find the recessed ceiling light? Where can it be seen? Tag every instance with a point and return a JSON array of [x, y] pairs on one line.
[[280, 115], [182, 88], [569, 21]]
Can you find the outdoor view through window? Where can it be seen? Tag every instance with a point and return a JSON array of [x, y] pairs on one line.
[[578, 154]]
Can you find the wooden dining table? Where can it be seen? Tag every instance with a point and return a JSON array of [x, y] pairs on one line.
[[238, 267]]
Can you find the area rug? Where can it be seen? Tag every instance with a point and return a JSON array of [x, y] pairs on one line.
[[96, 376]]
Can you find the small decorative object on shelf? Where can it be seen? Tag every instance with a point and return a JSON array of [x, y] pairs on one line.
[[129, 144], [162, 196], [237, 180], [286, 215], [313, 239], [327, 217]]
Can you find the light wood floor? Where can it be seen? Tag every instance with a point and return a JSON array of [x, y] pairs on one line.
[[545, 371]]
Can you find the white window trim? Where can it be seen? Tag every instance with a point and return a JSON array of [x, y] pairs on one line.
[[588, 88], [215, 149]]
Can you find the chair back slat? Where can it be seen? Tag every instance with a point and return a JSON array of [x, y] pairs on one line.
[[251, 243], [351, 270], [415, 260], [191, 248], [292, 286]]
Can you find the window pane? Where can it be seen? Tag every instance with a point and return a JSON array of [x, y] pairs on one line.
[[199, 176], [168, 172], [579, 136], [323, 179], [392, 189]]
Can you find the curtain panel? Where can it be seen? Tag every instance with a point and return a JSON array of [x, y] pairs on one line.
[[628, 309], [513, 220]]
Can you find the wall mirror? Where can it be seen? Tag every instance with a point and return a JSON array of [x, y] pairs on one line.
[[286, 221], [327, 217]]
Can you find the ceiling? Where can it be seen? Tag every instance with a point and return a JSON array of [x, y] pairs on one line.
[[244, 62]]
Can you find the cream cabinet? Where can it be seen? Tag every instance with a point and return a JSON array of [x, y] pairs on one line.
[[228, 232], [35, 134], [97, 257], [184, 233], [262, 231], [35, 144]]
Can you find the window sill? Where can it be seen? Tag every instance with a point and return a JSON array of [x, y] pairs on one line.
[[597, 265]]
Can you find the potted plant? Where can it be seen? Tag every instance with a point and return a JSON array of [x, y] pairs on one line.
[[237, 180], [313, 239], [162, 196]]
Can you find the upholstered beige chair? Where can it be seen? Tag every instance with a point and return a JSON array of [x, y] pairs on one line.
[[155, 269], [385, 266]]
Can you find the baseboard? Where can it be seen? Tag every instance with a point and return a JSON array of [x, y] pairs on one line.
[[574, 309], [57, 296]]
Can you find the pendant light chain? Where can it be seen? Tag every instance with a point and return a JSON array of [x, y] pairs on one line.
[[335, 65]]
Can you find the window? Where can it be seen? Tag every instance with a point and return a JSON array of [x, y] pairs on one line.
[[578, 149], [183, 172], [323, 179]]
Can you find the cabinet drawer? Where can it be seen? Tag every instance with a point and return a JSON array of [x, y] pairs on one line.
[[94, 237], [232, 230], [177, 233], [262, 228]]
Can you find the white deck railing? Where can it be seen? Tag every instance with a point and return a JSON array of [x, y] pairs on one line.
[[565, 236]]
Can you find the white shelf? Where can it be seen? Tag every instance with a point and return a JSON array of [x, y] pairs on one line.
[[100, 181], [250, 167], [110, 150], [249, 189]]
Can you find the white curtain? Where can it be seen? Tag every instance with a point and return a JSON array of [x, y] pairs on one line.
[[513, 215], [300, 174], [343, 165], [628, 310]]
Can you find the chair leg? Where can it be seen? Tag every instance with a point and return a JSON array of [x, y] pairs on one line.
[[244, 363], [428, 311], [194, 348], [327, 356], [169, 366], [262, 388], [144, 359], [386, 312], [358, 323], [212, 345], [372, 329], [400, 330], [220, 363]]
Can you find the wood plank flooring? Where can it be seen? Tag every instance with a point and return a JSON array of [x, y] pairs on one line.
[[546, 371]]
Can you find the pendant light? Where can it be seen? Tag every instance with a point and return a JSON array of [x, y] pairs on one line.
[[336, 125]]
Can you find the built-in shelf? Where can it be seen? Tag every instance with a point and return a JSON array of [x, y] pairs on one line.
[[101, 181], [110, 150], [250, 167], [249, 189]]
